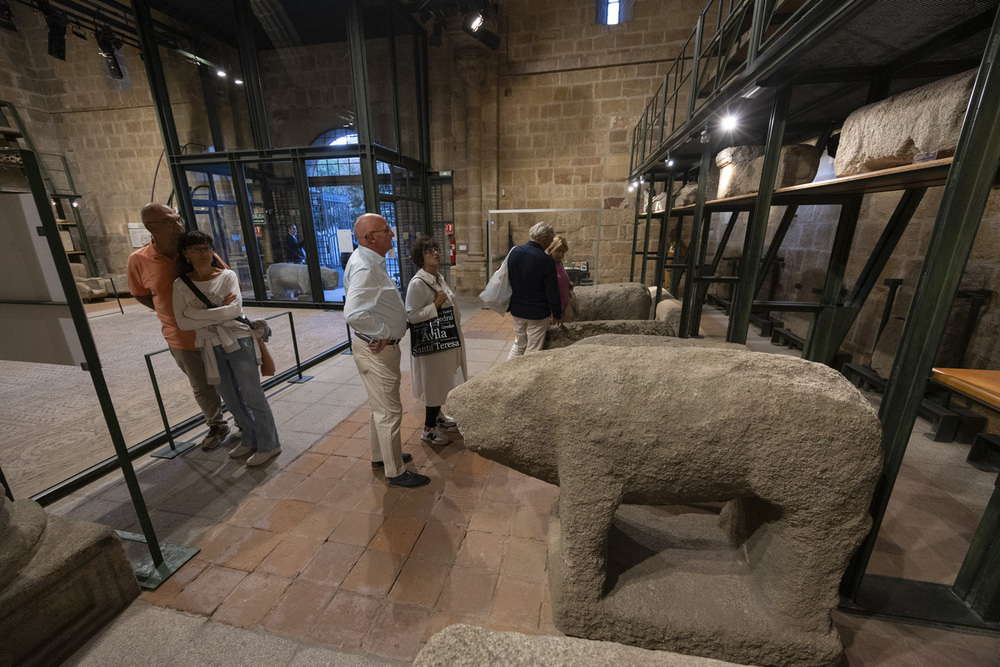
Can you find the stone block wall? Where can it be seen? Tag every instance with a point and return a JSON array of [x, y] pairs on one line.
[[546, 120]]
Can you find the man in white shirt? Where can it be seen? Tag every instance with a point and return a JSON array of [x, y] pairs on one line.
[[375, 312]]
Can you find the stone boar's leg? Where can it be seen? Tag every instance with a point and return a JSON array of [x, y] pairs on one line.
[[586, 511]]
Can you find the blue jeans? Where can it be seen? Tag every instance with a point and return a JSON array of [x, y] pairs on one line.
[[240, 389]]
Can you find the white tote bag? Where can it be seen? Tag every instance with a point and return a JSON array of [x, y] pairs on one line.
[[496, 296]]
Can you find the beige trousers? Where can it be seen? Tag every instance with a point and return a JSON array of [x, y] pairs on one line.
[[380, 373], [529, 336]]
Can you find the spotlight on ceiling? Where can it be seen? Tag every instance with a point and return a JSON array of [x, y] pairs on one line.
[[7, 17], [729, 122], [481, 22], [108, 44], [238, 82], [220, 73]]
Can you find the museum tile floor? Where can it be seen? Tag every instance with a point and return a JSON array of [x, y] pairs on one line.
[[314, 560]]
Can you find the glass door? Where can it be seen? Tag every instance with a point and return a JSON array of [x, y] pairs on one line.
[[213, 198], [336, 196]]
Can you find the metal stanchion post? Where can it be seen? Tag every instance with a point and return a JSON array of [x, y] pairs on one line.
[[295, 346], [173, 450]]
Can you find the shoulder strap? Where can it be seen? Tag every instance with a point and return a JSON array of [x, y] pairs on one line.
[[197, 292]]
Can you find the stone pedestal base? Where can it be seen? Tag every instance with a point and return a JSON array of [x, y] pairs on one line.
[[468, 277], [676, 584], [78, 579]]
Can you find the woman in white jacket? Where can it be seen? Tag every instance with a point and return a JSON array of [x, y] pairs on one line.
[[433, 375], [228, 347]]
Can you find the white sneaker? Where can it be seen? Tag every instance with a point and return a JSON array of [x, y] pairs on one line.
[[446, 421], [260, 458], [239, 450], [435, 436]]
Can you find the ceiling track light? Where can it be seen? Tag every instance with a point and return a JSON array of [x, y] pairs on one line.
[[480, 22], [108, 44]]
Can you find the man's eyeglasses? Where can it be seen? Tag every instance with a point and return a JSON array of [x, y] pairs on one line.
[[376, 231]]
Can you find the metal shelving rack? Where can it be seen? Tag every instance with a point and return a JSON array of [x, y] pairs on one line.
[[794, 70]]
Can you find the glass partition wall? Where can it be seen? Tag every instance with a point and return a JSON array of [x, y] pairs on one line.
[[284, 121]]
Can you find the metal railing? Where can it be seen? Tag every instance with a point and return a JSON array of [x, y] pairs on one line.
[[728, 37]]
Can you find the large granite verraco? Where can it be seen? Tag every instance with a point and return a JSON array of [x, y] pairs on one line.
[[790, 444]]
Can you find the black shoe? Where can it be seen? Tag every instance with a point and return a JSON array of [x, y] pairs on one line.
[[409, 480], [378, 465]]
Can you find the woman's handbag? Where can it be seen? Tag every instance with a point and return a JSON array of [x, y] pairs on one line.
[[496, 296], [436, 334]]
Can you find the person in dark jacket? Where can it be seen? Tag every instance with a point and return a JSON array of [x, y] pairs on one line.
[[295, 252], [534, 301]]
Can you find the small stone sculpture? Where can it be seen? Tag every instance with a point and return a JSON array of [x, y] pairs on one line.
[[566, 334], [791, 444], [283, 278], [612, 301]]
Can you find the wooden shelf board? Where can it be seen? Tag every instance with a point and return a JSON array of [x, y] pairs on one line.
[[919, 175]]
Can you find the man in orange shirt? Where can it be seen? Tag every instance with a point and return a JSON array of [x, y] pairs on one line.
[[151, 281]]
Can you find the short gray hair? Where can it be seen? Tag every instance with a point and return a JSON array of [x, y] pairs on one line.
[[541, 230]]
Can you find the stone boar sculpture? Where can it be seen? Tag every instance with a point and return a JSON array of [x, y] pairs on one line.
[[791, 444], [286, 279]]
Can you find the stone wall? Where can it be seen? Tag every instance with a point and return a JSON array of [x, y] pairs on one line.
[[546, 120], [106, 128]]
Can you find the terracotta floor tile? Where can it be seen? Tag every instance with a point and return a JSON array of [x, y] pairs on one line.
[[493, 517], [361, 415], [208, 590], [539, 494], [417, 505], [379, 499], [346, 620], [397, 631], [468, 592], [348, 428], [334, 467], [356, 448], [397, 535], [357, 528], [473, 464], [311, 490], [279, 485], [250, 549], [218, 540], [502, 489], [284, 516], [328, 445], [442, 619], [306, 463], [517, 602], [345, 494], [251, 510], [332, 563], [530, 522], [251, 600], [454, 509], [420, 582], [525, 559], [413, 419], [481, 550], [374, 573], [299, 608], [169, 589], [291, 555], [319, 523], [465, 484], [439, 542]]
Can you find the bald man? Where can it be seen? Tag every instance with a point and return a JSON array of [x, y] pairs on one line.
[[151, 281], [375, 312]]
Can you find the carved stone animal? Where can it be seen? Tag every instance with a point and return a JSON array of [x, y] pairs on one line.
[[612, 301], [283, 278], [792, 444]]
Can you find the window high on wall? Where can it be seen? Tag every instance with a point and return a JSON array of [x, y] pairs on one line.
[[610, 12]]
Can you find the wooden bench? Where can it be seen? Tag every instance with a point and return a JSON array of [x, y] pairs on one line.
[[983, 387]]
